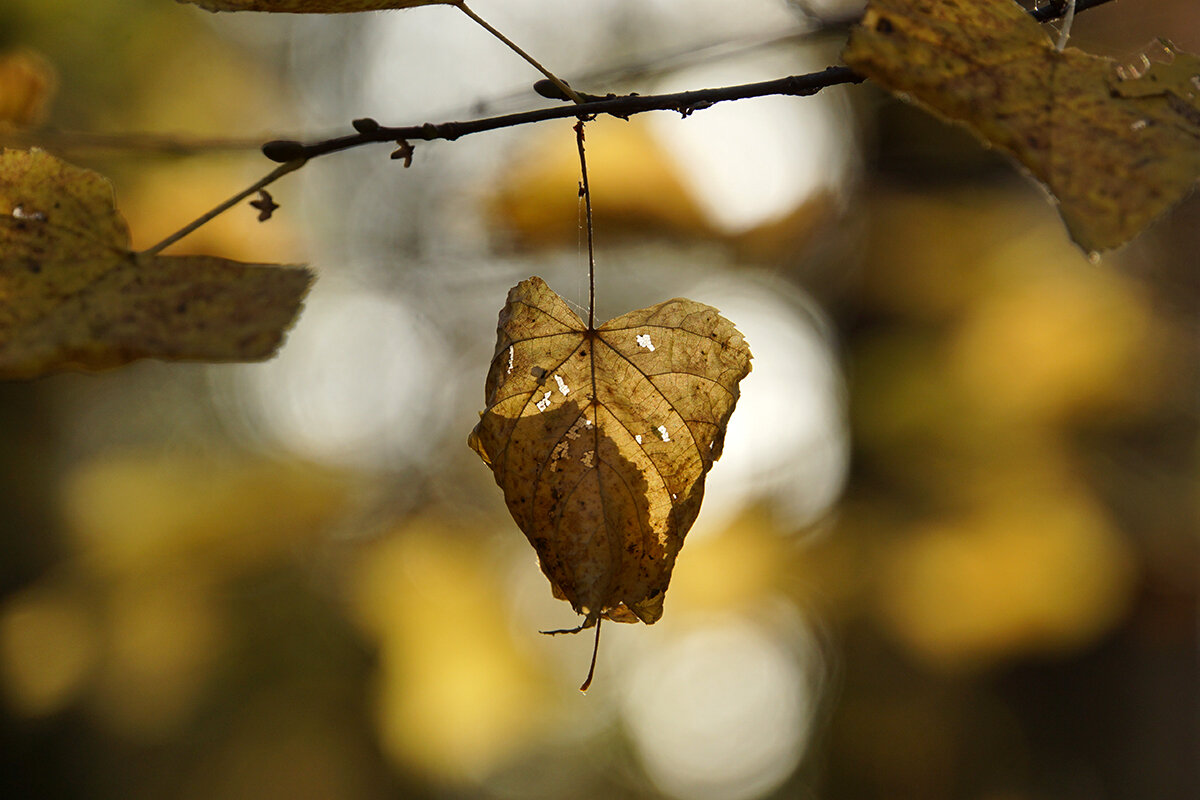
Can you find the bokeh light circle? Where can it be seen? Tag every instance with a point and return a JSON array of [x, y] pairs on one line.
[[721, 712], [788, 439], [355, 385]]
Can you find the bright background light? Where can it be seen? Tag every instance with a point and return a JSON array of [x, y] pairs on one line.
[[787, 442], [721, 712], [357, 384]]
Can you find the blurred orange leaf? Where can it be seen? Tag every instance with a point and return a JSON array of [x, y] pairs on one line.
[[454, 701], [134, 514], [601, 439], [27, 82], [535, 202], [1114, 156], [74, 295]]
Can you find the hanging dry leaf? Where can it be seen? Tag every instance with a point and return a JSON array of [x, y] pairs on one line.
[[601, 439], [313, 6], [1114, 156], [74, 295]]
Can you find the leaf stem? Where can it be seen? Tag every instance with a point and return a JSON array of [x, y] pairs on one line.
[[274, 175], [595, 649], [585, 191], [550, 76]]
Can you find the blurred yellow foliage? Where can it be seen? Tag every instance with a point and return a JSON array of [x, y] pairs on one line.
[[287, 742], [138, 514], [49, 645], [1044, 575], [915, 279], [162, 636], [1055, 338], [133, 616], [736, 569], [456, 696], [1004, 339], [1003, 342], [636, 190], [27, 83]]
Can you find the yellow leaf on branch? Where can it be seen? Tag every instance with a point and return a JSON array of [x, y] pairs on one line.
[[1115, 148], [601, 439], [72, 294]]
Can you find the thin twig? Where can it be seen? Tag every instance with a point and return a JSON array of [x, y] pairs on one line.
[[585, 191], [274, 175], [561, 84]]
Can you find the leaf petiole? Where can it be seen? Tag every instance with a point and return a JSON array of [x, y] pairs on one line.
[[585, 191], [587, 623]]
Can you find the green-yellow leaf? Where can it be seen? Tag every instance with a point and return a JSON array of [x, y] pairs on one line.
[[1115, 153], [72, 294], [601, 439], [313, 6]]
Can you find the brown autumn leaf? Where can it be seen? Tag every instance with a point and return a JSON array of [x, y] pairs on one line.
[[74, 296], [312, 6], [1114, 156], [601, 438]]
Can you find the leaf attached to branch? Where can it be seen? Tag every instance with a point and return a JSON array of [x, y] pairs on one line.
[[73, 295], [313, 6], [601, 439], [1116, 148]]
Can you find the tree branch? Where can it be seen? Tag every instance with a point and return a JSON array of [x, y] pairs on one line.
[[624, 106], [270, 178], [292, 154]]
